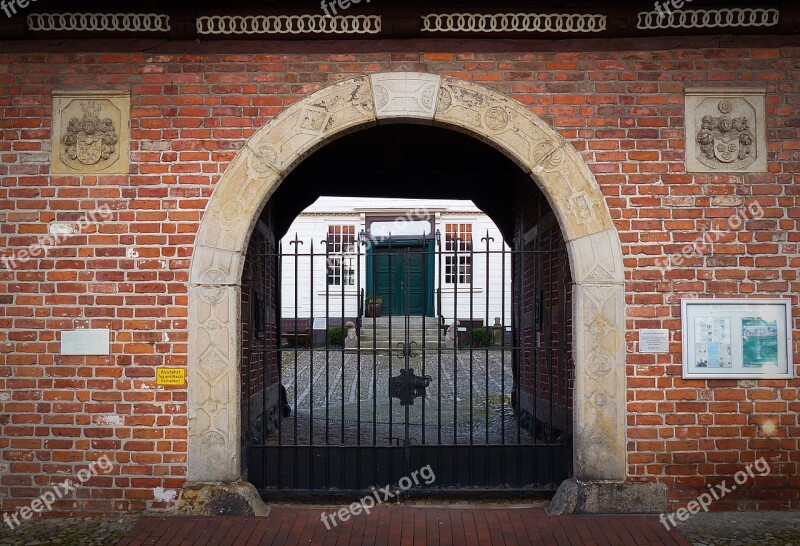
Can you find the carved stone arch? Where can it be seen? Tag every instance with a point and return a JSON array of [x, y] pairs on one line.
[[271, 153]]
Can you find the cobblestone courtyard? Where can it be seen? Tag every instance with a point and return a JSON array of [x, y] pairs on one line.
[[347, 397]]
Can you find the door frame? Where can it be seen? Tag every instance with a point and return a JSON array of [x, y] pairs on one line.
[[430, 272]]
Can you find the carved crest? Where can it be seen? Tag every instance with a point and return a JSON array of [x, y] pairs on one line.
[[725, 141], [89, 140]]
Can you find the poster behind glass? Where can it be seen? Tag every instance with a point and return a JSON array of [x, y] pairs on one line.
[[736, 338]]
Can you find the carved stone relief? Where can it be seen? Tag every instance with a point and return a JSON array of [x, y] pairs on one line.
[[725, 130], [596, 258], [213, 379], [406, 94], [304, 126], [91, 132], [501, 121], [600, 381], [235, 207], [578, 203]]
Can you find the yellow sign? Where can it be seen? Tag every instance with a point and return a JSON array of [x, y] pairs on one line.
[[171, 376]]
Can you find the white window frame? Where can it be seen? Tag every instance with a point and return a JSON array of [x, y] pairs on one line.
[[337, 255], [464, 273]]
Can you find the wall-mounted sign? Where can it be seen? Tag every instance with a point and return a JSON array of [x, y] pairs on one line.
[[85, 342], [171, 377], [653, 340], [737, 338], [320, 323], [401, 227]]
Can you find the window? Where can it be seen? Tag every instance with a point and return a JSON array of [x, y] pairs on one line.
[[458, 264], [341, 255]]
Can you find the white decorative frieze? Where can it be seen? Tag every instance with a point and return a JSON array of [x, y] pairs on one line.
[[513, 22], [91, 132], [707, 18], [725, 130], [289, 24], [136, 22]]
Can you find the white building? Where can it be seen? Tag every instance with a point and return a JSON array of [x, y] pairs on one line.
[[421, 257]]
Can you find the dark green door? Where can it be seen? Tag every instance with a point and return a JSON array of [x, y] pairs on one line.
[[400, 280], [413, 283]]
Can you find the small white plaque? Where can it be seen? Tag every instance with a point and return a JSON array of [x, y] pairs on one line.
[[85, 342], [402, 226], [320, 323], [653, 341]]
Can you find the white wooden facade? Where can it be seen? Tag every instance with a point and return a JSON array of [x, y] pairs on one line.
[[350, 225]]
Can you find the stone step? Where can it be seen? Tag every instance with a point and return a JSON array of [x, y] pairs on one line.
[[375, 333], [398, 336], [384, 346], [400, 321], [369, 328]]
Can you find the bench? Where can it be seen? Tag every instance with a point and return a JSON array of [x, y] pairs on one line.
[[296, 331]]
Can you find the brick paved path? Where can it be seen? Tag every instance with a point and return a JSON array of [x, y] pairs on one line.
[[404, 525]]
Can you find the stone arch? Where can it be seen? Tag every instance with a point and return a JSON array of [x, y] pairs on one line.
[[271, 153]]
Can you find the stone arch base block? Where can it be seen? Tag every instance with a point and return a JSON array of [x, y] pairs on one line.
[[407, 97], [221, 499], [575, 497]]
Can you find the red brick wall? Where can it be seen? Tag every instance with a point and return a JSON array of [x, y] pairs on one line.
[[190, 114], [554, 377], [543, 325], [261, 267], [260, 343]]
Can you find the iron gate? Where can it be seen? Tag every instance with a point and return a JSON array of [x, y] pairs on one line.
[[347, 395]]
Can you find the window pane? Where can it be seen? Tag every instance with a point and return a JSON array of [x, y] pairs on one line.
[[458, 239], [341, 246]]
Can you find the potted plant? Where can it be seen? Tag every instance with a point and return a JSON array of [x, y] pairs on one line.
[[374, 305]]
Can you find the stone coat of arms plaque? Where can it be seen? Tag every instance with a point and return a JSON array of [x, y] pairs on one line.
[[725, 130], [91, 132]]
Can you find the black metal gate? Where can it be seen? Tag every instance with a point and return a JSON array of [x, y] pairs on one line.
[[349, 395]]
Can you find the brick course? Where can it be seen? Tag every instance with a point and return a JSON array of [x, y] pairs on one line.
[[191, 113]]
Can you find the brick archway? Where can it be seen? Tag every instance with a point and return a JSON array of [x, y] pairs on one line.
[[272, 152]]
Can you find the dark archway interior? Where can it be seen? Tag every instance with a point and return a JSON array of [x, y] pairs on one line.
[[410, 161], [419, 162]]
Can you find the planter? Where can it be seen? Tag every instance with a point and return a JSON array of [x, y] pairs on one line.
[[374, 308]]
